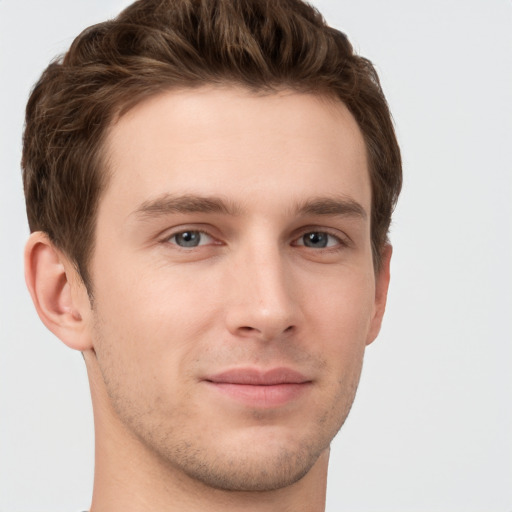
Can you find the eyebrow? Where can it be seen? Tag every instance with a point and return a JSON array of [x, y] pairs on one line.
[[332, 206], [169, 204]]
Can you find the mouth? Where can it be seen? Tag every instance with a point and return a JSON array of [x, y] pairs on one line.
[[260, 388]]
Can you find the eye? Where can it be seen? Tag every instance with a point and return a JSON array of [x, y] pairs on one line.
[[190, 238], [318, 240]]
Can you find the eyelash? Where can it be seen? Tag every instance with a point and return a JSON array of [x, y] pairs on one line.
[[201, 232], [341, 242]]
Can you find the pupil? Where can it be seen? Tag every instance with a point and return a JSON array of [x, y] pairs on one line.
[[315, 240]]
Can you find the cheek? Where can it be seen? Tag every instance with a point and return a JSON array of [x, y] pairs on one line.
[[338, 321], [139, 294], [152, 320], [344, 306]]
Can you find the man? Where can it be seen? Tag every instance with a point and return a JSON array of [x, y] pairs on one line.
[[209, 187]]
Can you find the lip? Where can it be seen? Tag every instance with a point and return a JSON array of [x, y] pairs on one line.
[[260, 388]]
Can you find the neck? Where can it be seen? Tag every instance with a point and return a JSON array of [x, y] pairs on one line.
[[130, 477]]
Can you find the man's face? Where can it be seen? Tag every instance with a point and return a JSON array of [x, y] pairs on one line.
[[234, 289]]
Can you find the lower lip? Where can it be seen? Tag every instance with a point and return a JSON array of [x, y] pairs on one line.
[[261, 396]]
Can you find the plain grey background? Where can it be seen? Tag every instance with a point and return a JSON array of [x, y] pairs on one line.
[[432, 423]]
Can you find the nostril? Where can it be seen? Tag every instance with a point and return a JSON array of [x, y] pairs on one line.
[[247, 329]]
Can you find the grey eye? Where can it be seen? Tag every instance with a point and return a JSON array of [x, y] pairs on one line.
[[316, 239], [319, 240], [188, 238]]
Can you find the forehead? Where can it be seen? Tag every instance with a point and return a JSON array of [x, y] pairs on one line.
[[237, 144]]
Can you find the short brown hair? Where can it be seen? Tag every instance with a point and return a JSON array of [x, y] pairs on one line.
[[157, 45]]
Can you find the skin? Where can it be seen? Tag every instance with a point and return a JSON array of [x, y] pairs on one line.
[[262, 183]]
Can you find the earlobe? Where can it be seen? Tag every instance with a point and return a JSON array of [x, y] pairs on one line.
[[58, 294], [381, 293]]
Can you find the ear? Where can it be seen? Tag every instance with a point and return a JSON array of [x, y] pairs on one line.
[[381, 293], [58, 292]]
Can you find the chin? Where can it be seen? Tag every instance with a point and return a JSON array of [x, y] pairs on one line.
[[249, 474], [266, 463]]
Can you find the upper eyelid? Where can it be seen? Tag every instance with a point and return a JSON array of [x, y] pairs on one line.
[[170, 232], [180, 231], [341, 241], [173, 234]]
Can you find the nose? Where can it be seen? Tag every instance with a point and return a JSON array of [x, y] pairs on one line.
[[263, 303]]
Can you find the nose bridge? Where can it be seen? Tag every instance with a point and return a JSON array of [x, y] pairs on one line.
[[264, 304]]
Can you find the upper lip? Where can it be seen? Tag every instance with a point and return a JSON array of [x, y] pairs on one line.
[[258, 377]]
